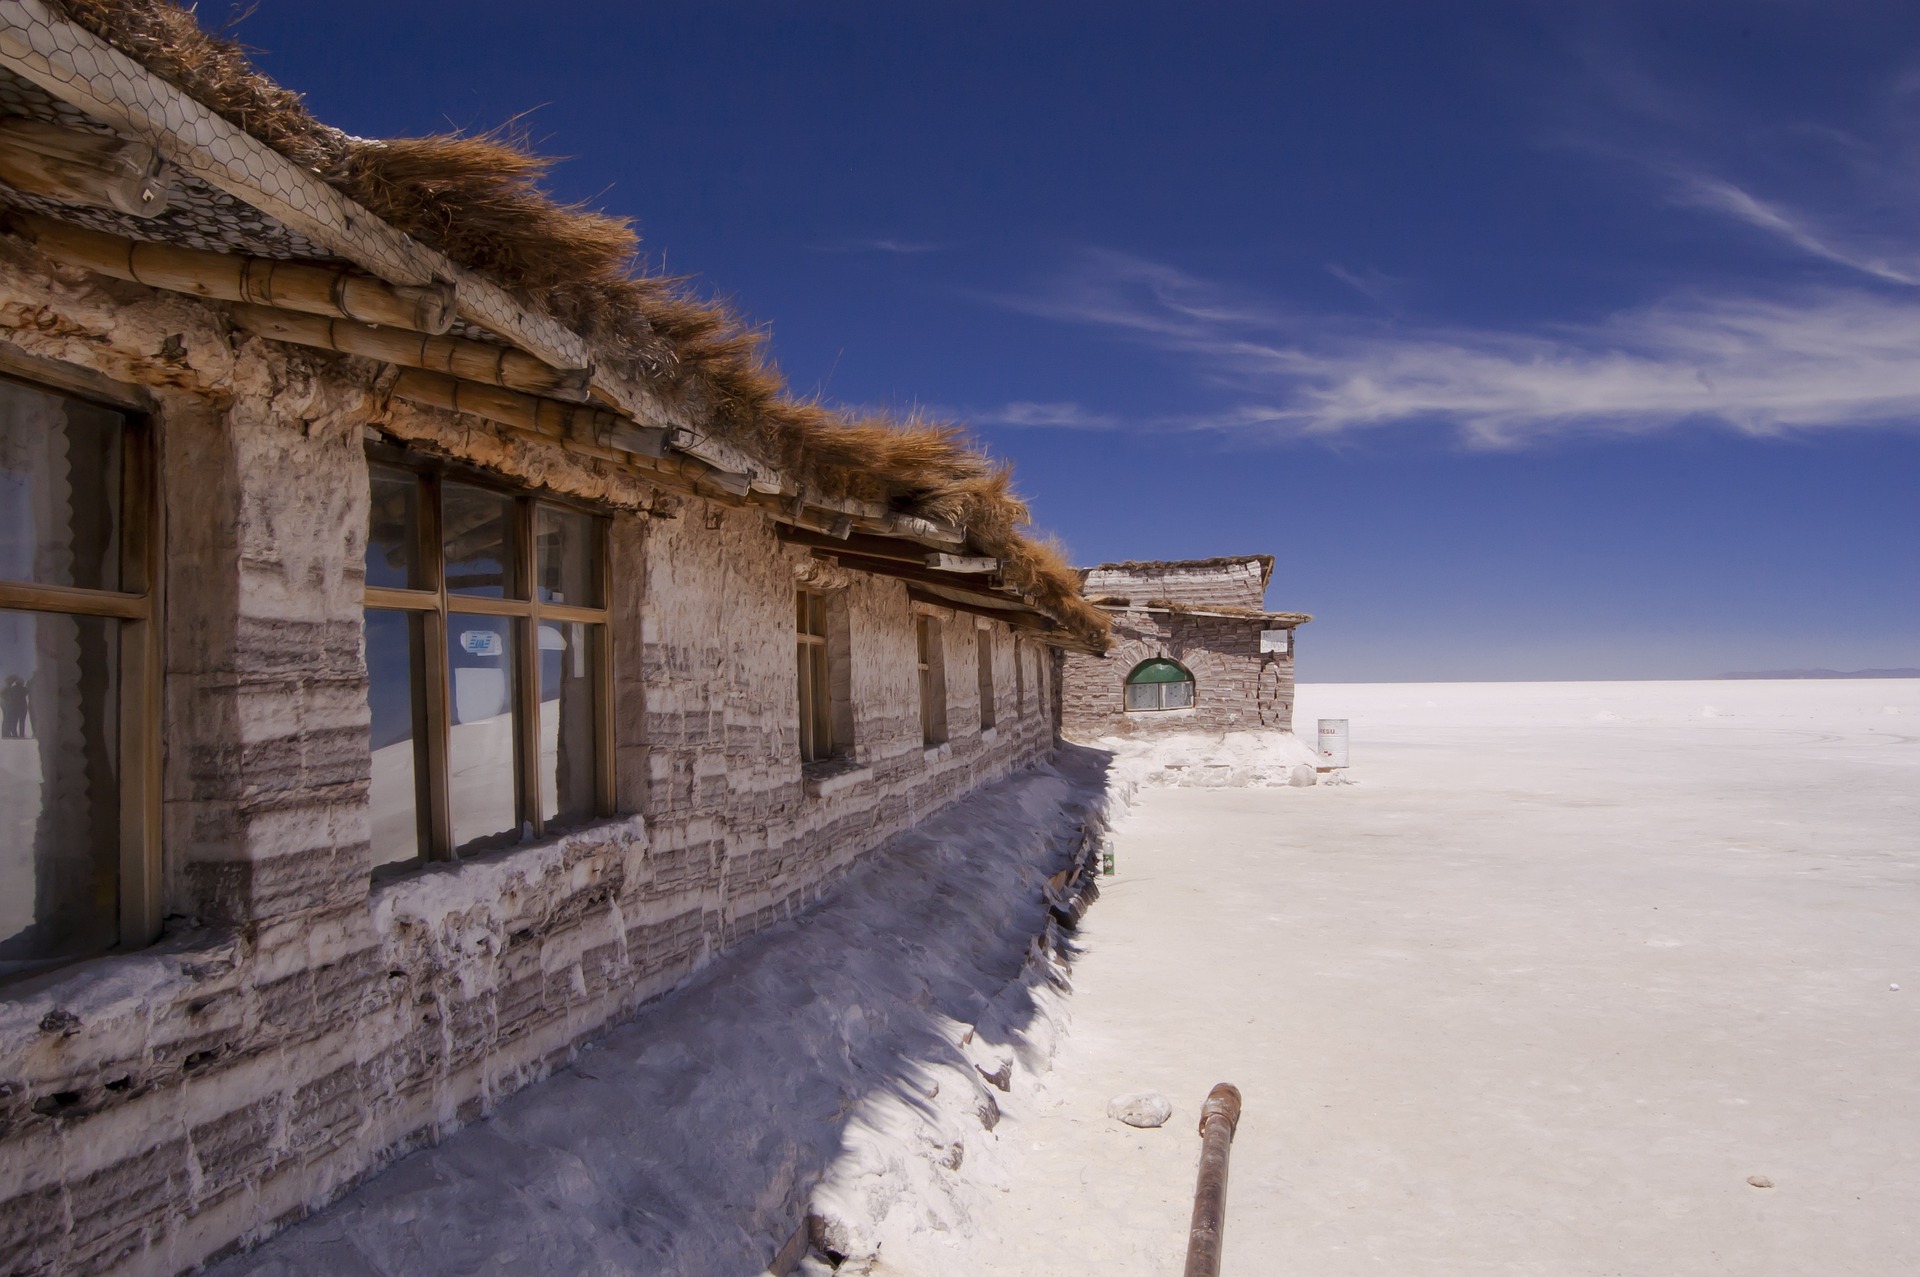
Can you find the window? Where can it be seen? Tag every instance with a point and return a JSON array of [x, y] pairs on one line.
[[487, 664], [983, 649], [933, 679], [814, 651], [78, 686], [1160, 684]]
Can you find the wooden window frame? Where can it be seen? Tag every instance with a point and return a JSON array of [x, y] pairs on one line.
[[1019, 678], [434, 606], [814, 671], [986, 684], [926, 633], [137, 605]]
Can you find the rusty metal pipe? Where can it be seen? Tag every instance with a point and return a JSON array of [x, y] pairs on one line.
[[1219, 1118]]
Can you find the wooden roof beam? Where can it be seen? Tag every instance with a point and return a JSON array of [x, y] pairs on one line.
[[1019, 620], [919, 575]]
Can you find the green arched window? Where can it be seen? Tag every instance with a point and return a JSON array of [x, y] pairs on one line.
[[1159, 684]]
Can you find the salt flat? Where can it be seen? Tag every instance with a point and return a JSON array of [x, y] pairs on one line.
[[1538, 993]]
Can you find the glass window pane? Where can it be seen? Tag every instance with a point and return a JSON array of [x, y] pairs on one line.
[[59, 490], [1160, 672], [477, 531], [480, 748], [1143, 696], [567, 737], [569, 558], [393, 531], [394, 686], [1177, 695], [59, 788]]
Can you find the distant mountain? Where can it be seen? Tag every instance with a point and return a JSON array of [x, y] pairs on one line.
[[1902, 672]]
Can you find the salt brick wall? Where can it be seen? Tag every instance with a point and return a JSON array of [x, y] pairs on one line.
[[1236, 686], [297, 1027], [1230, 584]]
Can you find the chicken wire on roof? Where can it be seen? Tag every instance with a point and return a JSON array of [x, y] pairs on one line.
[[198, 215]]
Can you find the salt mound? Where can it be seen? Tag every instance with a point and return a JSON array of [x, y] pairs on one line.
[[1145, 1109], [1212, 760]]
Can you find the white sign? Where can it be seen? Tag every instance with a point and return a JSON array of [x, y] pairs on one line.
[[1333, 743], [481, 643]]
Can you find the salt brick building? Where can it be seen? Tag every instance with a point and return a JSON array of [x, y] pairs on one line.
[[420, 642], [1193, 649]]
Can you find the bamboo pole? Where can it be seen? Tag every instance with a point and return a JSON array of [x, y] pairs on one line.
[[309, 287], [547, 417], [1219, 1118], [453, 356]]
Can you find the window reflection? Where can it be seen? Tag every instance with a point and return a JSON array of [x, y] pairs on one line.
[[393, 680], [568, 566], [566, 722], [59, 788], [481, 747], [477, 531], [393, 530], [59, 490]]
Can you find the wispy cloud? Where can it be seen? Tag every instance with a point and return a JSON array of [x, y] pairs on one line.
[[1055, 416], [897, 247], [1370, 284], [1758, 365], [1793, 228]]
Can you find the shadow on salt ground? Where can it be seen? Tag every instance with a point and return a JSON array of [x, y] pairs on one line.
[[834, 1063]]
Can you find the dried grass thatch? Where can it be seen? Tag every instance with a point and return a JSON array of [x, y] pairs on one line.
[[479, 201]]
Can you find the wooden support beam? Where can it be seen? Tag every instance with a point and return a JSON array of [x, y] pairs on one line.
[[874, 547], [309, 287], [724, 458], [931, 532], [962, 563], [967, 585], [81, 166], [453, 356], [790, 515], [548, 417], [1018, 620]]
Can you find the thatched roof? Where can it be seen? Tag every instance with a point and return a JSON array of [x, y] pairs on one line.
[[479, 201]]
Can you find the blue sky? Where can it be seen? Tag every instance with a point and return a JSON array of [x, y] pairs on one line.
[[1536, 340]]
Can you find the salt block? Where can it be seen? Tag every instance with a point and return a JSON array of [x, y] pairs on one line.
[[1141, 1108], [1302, 775]]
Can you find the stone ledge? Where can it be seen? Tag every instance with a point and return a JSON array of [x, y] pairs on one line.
[[833, 777], [492, 882]]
